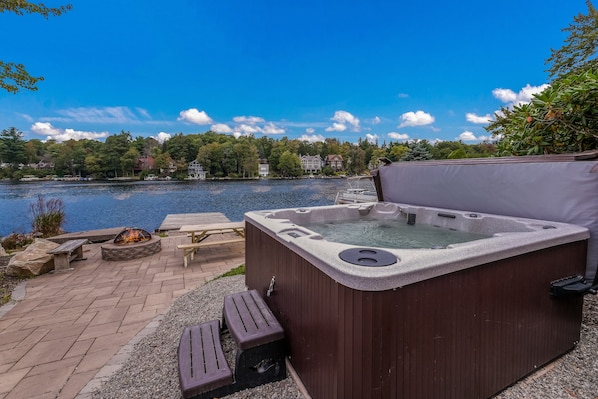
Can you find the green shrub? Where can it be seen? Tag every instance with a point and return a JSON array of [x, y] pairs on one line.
[[48, 216], [16, 241]]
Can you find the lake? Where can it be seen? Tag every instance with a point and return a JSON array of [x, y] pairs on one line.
[[104, 204]]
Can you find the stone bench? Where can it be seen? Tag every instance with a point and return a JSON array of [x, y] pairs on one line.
[[260, 350], [189, 249], [67, 252]]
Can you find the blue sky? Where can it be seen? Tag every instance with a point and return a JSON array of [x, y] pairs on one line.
[[376, 70]]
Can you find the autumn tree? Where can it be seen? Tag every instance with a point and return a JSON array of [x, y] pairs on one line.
[[14, 76]]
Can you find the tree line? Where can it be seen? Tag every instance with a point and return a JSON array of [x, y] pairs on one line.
[[220, 155], [563, 118]]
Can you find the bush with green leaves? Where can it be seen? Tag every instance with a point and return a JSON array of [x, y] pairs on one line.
[[563, 118]]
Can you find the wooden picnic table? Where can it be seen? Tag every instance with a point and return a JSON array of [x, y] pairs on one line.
[[200, 232]]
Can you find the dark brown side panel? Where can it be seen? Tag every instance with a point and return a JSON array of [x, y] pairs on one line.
[[463, 335]]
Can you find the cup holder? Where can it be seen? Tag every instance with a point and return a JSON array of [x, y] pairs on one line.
[[369, 257]]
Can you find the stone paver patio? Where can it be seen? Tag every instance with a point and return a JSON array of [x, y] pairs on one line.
[[74, 328]]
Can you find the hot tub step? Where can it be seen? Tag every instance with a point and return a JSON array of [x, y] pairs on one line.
[[259, 338], [260, 358], [203, 370]]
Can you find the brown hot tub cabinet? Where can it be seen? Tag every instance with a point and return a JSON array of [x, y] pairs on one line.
[[468, 334], [463, 321]]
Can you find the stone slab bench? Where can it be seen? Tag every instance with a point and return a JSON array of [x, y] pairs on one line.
[[67, 252], [189, 249], [260, 350]]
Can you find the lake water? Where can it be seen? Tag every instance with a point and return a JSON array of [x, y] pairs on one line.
[[145, 204]]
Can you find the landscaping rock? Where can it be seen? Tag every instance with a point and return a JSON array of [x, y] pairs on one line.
[[33, 261], [2, 251]]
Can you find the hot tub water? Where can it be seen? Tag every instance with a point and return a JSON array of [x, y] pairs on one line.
[[396, 234]]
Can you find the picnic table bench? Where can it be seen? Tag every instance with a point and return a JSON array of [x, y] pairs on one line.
[[67, 252], [260, 350], [200, 232]]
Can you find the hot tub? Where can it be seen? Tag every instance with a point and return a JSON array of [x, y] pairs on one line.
[[457, 320]]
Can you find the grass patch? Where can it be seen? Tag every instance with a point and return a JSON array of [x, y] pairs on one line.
[[4, 296], [233, 272]]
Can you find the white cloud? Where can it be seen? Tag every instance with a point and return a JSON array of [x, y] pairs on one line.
[[376, 120], [524, 96], [473, 118], [418, 118], [248, 129], [60, 135], [271, 128], [398, 136], [337, 127], [505, 95], [312, 138], [341, 120], [27, 117], [143, 112], [310, 130], [402, 95], [467, 136], [221, 128], [102, 115], [193, 115], [371, 138], [252, 120], [162, 137]]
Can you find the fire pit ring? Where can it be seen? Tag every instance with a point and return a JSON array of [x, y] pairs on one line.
[[131, 243]]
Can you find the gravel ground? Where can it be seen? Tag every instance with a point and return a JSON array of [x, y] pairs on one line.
[[151, 371]]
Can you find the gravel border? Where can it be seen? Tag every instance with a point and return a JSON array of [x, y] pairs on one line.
[[151, 369]]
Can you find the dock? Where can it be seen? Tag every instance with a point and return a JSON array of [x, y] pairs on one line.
[[92, 235], [174, 221]]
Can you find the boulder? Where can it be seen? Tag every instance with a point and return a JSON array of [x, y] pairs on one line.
[[33, 261], [3, 251]]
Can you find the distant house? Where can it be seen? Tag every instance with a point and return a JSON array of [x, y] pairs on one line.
[[171, 168], [335, 161], [146, 162], [311, 163], [263, 168], [44, 163], [195, 171]]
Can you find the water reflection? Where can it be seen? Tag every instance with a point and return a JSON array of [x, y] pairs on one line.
[[145, 204]]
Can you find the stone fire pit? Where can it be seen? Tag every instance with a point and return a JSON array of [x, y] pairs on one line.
[[131, 243]]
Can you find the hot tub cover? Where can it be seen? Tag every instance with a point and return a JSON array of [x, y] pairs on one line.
[[560, 188]]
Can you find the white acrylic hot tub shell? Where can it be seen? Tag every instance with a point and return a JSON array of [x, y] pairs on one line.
[[511, 236]]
